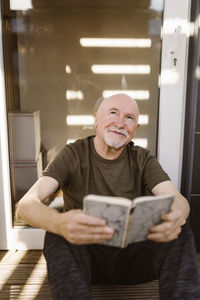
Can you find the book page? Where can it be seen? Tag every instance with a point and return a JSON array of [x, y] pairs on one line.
[[116, 216], [147, 214]]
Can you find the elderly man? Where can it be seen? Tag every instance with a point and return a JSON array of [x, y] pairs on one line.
[[110, 164]]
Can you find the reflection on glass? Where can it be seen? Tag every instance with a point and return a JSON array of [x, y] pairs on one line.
[[68, 69], [115, 42], [80, 120], [121, 69], [143, 119], [21, 4], [137, 95], [156, 5], [141, 142], [77, 120], [72, 95]]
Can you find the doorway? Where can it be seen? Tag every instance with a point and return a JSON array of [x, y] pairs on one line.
[[60, 60]]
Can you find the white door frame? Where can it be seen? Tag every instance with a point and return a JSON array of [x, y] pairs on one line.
[[170, 130], [173, 81]]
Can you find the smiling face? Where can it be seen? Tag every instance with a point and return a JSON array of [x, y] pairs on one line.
[[116, 121]]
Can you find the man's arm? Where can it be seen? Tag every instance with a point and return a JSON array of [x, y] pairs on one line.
[[33, 211], [74, 225], [170, 228]]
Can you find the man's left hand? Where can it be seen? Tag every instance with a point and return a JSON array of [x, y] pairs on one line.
[[169, 229]]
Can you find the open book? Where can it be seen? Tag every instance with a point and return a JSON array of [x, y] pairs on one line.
[[131, 220]]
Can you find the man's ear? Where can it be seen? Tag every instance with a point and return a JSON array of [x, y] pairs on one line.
[[138, 125]]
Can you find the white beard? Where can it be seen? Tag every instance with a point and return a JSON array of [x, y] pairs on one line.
[[117, 143]]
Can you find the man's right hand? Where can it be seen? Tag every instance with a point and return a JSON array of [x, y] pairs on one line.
[[79, 228], [74, 225]]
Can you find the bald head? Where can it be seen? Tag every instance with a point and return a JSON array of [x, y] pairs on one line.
[[122, 99], [116, 122]]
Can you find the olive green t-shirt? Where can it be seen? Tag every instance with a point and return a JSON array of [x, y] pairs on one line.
[[80, 171]]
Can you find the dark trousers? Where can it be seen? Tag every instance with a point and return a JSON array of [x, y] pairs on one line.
[[72, 269]]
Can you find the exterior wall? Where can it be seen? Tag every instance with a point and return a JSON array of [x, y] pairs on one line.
[[191, 159]]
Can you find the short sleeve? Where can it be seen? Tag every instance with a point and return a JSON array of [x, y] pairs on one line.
[[153, 172], [59, 167]]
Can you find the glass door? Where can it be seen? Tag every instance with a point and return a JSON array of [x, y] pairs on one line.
[[59, 61]]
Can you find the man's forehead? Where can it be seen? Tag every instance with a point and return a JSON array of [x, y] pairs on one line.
[[123, 109], [126, 104]]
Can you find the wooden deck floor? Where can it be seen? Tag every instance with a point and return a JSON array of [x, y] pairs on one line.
[[23, 276]]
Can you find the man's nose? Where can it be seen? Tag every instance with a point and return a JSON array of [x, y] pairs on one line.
[[120, 122]]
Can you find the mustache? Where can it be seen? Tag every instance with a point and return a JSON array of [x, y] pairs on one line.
[[121, 131]]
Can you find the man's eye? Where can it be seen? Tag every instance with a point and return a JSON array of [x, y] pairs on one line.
[[130, 118], [113, 112]]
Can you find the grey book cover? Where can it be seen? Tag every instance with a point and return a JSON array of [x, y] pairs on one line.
[[147, 212], [131, 220]]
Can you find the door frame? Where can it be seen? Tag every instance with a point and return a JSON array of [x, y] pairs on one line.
[[175, 40], [176, 32]]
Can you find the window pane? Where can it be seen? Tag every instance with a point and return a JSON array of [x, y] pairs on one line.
[[61, 58]]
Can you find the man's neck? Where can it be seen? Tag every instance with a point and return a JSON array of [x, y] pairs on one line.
[[106, 151]]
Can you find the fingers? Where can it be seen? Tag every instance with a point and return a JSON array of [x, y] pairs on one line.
[[174, 215], [79, 228], [169, 229], [73, 227], [90, 239], [91, 220], [78, 216], [164, 236], [88, 235], [166, 226]]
